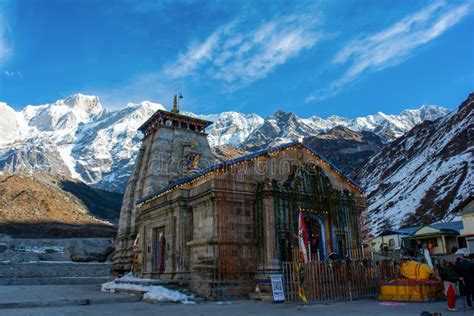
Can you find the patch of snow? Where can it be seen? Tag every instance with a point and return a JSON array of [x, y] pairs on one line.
[[39, 250], [130, 278], [113, 286], [155, 293], [61, 262], [65, 152], [162, 294]]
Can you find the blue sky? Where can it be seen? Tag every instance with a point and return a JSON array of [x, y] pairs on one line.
[[348, 58]]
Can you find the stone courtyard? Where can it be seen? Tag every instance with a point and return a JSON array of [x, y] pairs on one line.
[[88, 300]]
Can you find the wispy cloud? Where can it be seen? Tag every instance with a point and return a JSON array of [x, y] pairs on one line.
[[239, 57], [4, 48], [393, 45], [12, 74]]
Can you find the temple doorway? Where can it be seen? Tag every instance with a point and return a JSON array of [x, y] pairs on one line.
[[287, 241], [159, 250], [316, 237], [341, 241]]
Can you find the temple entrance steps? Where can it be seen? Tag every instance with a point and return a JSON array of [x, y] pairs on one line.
[[54, 273]]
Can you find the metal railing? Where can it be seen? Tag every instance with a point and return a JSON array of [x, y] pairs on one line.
[[326, 281]]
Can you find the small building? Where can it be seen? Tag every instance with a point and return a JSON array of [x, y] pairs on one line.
[[440, 239], [467, 215], [393, 239]]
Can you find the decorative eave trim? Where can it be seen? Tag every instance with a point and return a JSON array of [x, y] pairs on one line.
[[170, 115]]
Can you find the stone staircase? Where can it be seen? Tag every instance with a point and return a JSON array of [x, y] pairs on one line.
[[53, 273]]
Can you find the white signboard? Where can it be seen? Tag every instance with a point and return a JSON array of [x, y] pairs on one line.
[[277, 289]]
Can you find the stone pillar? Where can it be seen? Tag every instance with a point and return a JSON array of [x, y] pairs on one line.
[[183, 230], [271, 262]]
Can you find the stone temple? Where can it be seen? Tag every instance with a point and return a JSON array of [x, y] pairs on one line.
[[221, 228]]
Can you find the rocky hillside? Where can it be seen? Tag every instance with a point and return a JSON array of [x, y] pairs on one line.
[[422, 176], [347, 149], [225, 153], [39, 205], [79, 137]]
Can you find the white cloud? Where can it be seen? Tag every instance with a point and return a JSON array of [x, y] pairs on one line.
[[239, 57], [393, 45]]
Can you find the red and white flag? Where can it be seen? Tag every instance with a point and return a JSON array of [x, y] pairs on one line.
[[302, 236]]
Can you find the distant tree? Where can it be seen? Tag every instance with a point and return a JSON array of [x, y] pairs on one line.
[[386, 224], [365, 227]]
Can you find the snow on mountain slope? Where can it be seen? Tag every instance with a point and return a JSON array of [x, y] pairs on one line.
[[98, 146], [424, 175], [12, 125], [387, 126], [105, 151], [64, 114], [278, 128], [31, 155], [229, 128]]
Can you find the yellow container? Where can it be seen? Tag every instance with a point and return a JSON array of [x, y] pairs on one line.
[[403, 291]]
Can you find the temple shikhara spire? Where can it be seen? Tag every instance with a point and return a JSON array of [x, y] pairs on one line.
[[175, 104], [173, 146]]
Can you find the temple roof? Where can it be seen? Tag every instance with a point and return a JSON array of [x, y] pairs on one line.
[[166, 115], [228, 163]]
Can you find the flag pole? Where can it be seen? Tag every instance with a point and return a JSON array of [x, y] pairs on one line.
[[302, 241]]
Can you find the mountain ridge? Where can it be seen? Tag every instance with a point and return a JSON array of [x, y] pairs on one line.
[[98, 146], [423, 176]]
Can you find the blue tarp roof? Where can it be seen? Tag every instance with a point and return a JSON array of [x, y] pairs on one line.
[[408, 231], [457, 226], [401, 231], [243, 158], [447, 228]]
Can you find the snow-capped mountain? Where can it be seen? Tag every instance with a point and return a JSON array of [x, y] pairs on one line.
[[77, 137], [281, 127], [278, 128], [424, 175], [80, 137], [64, 114]]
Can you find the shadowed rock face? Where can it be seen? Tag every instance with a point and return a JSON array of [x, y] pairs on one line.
[[41, 205], [424, 175], [225, 153], [347, 149]]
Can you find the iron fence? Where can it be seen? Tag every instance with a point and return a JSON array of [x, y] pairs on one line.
[[325, 281]]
